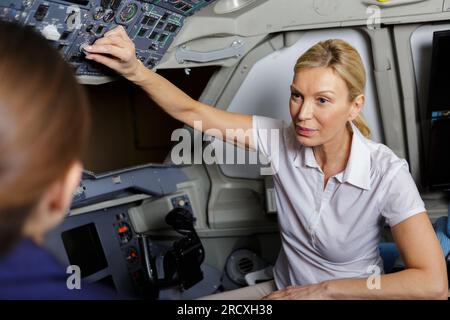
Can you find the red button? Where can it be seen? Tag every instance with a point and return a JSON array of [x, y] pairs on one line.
[[123, 229]]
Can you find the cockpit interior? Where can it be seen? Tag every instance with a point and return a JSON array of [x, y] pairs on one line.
[[151, 227]]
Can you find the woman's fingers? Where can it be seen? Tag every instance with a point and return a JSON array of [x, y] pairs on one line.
[[110, 49], [115, 31], [109, 62], [115, 45], [116, 51], [114, 39], [118, 32], [123, 33]]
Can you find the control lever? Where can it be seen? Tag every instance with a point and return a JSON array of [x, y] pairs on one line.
[[181, 220], [181, 264]]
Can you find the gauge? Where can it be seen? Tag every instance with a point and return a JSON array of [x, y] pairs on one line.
[[99, 12], [109, 16], [128, 12]]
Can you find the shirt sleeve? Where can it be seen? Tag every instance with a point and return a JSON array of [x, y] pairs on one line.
[[267, 135], [402, 198]]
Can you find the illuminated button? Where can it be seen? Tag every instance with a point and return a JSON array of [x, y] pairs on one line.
[[142, 32], [124, 232], [171, 27], [186, 8], [153, 47], [179, 5], [165, 16], [151, 21], [153, 36], [162, 37], [145, 20], [132, 255], [100, 29]]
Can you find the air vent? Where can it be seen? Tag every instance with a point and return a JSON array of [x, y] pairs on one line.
[[245, 265], [241, 262]]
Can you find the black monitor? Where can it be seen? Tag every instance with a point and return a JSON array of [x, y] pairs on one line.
[[84, 249], [438, 154]]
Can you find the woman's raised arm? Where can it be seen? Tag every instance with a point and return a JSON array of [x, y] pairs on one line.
[[117, 51]]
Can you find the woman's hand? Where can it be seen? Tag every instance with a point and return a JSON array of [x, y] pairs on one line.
[[310, 292], [116, 51]]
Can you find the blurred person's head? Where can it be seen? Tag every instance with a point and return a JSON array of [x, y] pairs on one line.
[[44, 124]]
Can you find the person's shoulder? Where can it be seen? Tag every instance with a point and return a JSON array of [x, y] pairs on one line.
[[53, 289], [384, 161], [30, 272]]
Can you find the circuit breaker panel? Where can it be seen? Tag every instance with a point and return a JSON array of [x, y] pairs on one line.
[[72, 24]]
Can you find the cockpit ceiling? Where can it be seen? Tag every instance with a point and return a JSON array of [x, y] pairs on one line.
[[186, 33]]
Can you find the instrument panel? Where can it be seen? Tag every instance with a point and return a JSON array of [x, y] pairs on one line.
[[70, 25]]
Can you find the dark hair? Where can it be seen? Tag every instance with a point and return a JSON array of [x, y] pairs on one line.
[[44, 124]]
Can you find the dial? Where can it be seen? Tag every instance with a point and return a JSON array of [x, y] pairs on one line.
[[128, 12], [99, 13], [109, 16]]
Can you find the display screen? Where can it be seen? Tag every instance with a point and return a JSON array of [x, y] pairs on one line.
[[84, 249], [439, 155], [439, 93], [438, 158]]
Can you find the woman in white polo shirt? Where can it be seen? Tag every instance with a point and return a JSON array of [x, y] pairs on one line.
[[335, 187]]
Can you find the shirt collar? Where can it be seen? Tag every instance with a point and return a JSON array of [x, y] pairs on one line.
[[357, 171], [309, 159]]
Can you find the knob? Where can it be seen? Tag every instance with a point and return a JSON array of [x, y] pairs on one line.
[[82, 47]]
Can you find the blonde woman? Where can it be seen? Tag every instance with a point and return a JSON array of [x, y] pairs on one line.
[[334, 186]]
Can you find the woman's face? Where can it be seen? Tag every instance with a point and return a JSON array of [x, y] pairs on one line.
[[320, 106]]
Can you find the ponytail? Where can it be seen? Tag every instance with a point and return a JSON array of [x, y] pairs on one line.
[[362, 126]]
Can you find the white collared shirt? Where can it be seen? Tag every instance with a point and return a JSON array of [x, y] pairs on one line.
[[334, 232]]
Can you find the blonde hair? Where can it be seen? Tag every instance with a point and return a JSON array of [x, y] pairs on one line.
[[346, 62]]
